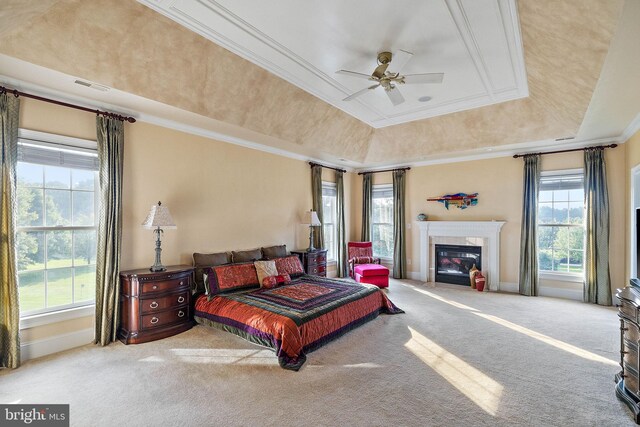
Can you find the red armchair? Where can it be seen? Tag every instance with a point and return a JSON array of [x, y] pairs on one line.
[[364, 268]]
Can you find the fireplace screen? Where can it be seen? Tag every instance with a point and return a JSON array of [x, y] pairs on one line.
[[453, 263]]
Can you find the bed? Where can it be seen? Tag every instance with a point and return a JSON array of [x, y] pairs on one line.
[[296, 318]]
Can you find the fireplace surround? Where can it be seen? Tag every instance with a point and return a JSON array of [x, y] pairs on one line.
[[477, 233]]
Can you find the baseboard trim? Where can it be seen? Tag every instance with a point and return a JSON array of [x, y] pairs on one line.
[[413, 275], [55, 344], [509, 287]]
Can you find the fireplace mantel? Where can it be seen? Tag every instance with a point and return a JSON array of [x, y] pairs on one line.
[[489, 230]]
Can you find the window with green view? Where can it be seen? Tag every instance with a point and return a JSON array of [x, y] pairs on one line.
[[382, 221], [56, 234], [561, 230]]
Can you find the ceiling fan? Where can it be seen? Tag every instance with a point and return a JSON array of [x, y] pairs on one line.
[[389, 80]]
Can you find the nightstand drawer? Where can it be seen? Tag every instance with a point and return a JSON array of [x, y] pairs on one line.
[[150, 305], [165, 317], [317, 258], [168, 285], [317, 270]]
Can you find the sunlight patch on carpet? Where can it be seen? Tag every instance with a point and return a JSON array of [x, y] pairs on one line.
[[548, 340], [439, 298], [474, 384], [225, 356]]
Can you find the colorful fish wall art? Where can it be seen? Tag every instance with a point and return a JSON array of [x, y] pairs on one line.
[[459, 200]]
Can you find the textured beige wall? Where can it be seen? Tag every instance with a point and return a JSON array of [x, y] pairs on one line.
[[632, 150]]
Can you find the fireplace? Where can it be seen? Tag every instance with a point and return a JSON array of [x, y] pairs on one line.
[[453, 263]]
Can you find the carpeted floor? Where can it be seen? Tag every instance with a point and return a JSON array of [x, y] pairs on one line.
[[456, 358]]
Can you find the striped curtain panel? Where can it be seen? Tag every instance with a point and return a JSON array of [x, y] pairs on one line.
[[110, 134], [367, 195], [341, 240], [597, 288], [528, 284], [9, 310], [316, 197], [399, 243]]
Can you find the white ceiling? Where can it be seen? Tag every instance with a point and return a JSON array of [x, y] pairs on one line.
[[476, 43]]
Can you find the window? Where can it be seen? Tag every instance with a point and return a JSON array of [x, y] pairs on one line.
[[56, 225], [329, 195], [382, 221], [561, 230]]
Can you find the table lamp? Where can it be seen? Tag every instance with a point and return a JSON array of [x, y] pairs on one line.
[[159, 217], [311, 219]]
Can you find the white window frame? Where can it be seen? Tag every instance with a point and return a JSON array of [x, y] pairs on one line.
[[68, 311], [379, 188], [559, 275], [330, 186]]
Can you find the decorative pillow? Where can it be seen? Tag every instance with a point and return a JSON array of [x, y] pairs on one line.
[[363, 260], [275, 281], [289, 265], [274, 252], [201, 261], [246, 256], [265, 269], [231, 277]]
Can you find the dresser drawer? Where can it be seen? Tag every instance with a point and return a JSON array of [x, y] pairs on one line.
[[316, 258], [317, 270], [165, 317], [628, 309], [151, 305], [167, 285], [630, 355], [631, 379]]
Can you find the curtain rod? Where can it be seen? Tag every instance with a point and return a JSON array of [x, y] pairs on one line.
[[515, 156], [328, 167], [17, 93], [386, 170]]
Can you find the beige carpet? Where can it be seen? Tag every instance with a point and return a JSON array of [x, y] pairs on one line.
[[457, 357]]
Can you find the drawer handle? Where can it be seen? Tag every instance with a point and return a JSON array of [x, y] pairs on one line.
[[153, 305], [181, 283], [155, 286], [180, 298], [154, 320], [181, 313]]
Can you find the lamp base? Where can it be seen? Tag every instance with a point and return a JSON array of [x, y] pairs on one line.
[[157, 265], [156, 268], [311, 248]]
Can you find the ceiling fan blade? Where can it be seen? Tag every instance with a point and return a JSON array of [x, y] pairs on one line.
[[400, 59], [354, 74], [395, 96], [360, 92], [380, 70], [423, 78]]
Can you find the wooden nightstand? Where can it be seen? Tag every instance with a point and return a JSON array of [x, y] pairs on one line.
[[314, 263], [154, 305]]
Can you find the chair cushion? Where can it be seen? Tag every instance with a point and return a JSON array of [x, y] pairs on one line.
[[366, 270]]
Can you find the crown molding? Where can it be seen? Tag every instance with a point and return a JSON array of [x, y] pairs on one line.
[[631, 130]]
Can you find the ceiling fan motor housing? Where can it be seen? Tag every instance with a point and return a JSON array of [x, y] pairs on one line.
[[384, 57]]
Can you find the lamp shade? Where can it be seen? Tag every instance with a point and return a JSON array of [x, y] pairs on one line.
[[311, 218], [159, 216]]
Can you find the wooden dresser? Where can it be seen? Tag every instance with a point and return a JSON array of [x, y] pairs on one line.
[[627, 380], [154, 305], [314, 262]]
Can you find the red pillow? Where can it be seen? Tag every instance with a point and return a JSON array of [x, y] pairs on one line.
[[270, 282], [289, 265], [230, 277]]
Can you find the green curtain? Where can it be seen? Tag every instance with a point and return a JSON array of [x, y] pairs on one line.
[[316, 196], [110, 154], [597, 287], [528, 284], [399, 243], [341, 255], [367, 194], [9, 310]]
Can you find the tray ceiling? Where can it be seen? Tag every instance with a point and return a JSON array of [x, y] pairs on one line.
[[476, 43]]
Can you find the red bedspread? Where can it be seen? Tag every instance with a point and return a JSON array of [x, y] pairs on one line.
[[297, 318]]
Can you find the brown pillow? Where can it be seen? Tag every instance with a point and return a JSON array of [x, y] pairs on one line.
[[246, 256], [201, 261], [274, 252]]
